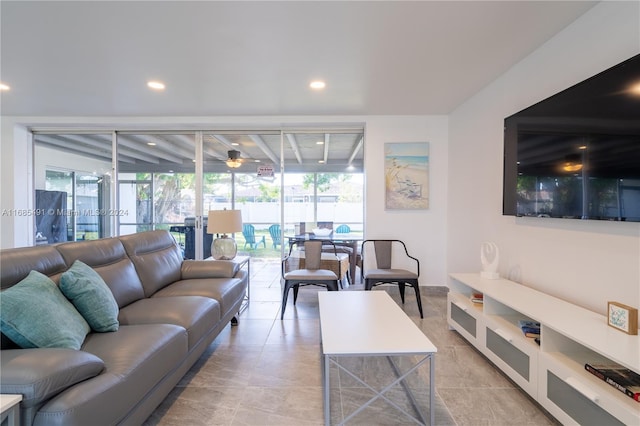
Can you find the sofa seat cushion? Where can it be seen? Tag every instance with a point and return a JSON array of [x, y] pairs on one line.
[[137, 358], [35, 314], [38, 374], [196, 314], [227, 291]]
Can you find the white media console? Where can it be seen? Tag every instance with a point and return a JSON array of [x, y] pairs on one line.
[[553, 372]]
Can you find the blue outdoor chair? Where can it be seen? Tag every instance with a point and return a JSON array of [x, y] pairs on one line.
[[249, 232], [343, 229], [276, 234]]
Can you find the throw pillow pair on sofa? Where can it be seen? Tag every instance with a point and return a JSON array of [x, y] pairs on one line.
[[36, 313]]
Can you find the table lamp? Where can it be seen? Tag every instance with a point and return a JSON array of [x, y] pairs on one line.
[[224, 222]]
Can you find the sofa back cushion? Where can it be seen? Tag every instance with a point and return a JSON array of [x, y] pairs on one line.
[[108, 258], [156, 256], [16, 263]]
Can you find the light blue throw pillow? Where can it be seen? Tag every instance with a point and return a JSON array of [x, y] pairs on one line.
[[91, 296], [35, 314]]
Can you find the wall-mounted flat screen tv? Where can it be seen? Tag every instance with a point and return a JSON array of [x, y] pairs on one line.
[[577, 154]]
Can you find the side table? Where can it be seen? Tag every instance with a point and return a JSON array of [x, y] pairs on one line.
[[10, 409], [241, 262]]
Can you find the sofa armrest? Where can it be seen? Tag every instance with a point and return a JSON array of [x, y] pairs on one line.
[[193, 269], [39, 374]]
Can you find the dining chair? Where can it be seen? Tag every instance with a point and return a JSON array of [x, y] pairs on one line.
[[276, 234], [380, 266], [311, 274], [249, 232], [346, 248], [325, 225]]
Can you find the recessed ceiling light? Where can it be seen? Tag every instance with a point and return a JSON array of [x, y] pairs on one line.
[[156, 85], [4, 86], [317, 85], [235, 144], [321, 161], [256, 161], [151, 143], [320, 143]]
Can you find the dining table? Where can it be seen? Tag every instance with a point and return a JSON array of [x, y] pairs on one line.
[[347, 239]]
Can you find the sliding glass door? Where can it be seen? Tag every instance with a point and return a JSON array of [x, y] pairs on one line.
[[323, 181], [170, 180], [72, 181], [157, 185]]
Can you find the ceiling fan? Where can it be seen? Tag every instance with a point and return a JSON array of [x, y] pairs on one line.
[[233, 159]]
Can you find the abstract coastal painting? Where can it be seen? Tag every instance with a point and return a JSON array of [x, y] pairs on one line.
[[406, 175]]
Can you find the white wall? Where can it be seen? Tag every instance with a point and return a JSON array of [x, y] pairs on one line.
[[586, 262], [15, 155], [423, 231]]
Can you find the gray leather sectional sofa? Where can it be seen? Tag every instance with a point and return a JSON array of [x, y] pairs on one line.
[[170, 310]]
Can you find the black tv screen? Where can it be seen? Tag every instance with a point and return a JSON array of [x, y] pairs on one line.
[[576, 154]]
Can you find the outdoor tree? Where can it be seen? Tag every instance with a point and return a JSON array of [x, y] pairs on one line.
[[324, 180]]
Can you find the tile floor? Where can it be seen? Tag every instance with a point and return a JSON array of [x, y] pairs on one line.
[[267, 372]]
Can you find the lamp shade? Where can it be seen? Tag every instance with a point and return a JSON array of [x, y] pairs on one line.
[[224, 221]]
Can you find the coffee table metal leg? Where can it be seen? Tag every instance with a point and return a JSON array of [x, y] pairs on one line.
[[327, 390], [432, 389], [379, 393], [407, 390]]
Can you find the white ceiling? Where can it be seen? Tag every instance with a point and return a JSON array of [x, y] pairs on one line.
[[92, 58]]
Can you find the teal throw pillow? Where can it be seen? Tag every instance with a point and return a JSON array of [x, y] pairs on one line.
[[35, 314], [91, 296]]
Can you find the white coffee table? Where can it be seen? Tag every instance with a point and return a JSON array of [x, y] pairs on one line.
[[370, 323], [10, 409]]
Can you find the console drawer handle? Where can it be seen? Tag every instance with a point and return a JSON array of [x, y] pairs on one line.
[[582, 388]]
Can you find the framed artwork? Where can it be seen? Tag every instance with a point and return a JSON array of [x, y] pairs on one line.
[[406, 175], [623, 317]]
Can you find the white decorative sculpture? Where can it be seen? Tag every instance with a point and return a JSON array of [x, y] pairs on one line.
[[489, 256]]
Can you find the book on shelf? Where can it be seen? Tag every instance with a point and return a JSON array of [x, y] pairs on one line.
[[477, 297], [621, 378], [529, 328]]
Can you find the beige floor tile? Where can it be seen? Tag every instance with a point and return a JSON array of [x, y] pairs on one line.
[[266, 371]]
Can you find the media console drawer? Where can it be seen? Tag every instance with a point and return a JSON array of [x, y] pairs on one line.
[[512, 356], [580, 408], [463, 315]]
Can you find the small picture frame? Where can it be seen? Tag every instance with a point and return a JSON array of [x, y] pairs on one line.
[[623, 317]]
